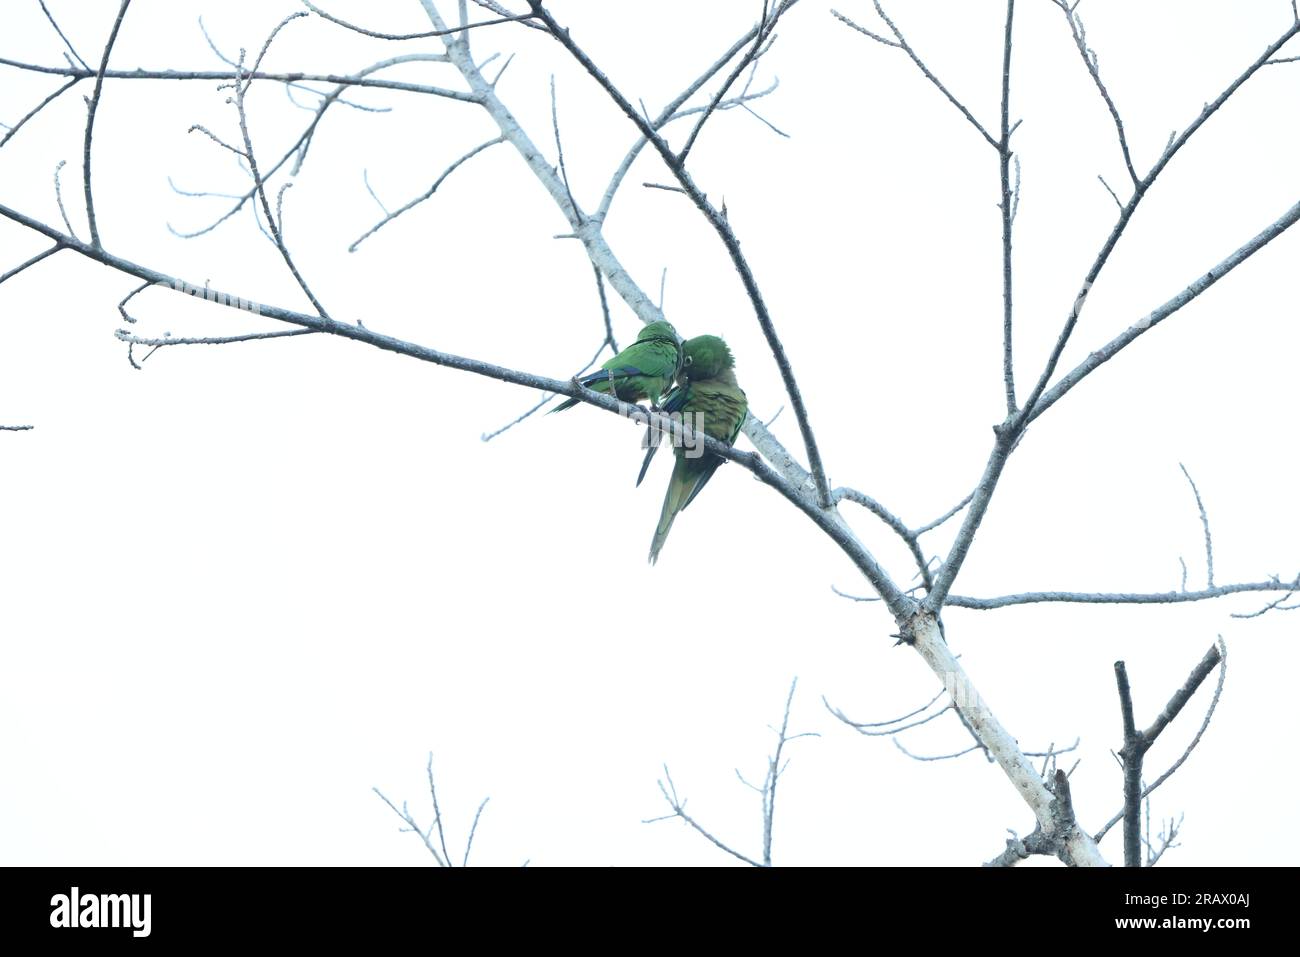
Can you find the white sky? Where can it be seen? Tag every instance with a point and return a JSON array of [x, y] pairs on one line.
[[241, 588]]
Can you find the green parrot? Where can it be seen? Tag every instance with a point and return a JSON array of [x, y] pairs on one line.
[[708, 399], [644, 370]]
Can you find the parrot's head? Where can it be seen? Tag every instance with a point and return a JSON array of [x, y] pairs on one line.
[[705, 357], [663, 329]]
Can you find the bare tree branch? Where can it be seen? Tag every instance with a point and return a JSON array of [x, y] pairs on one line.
[[1008, 216], [276, 227], [427, 194], [937, 757], [1117, 598], [901, 42], [1131, 756], [31, 262], [66, 42], [1194, 289], [1031, 407], [1008, 433], [1090, 61], [359, 79], [441, 856], [1278, 604], [91, 108], [377, 35], [37, 109], [863, 30], [931, 526], [775, 767], [679, 811], [1137, 743], [1051, 808], [766, 24], [673, 111], [157, 343]]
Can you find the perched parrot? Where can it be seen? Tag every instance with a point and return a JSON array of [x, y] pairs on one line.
[[708, 399], [644, 370]]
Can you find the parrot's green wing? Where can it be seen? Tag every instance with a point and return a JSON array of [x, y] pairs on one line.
[[641, 371], [710, 462]]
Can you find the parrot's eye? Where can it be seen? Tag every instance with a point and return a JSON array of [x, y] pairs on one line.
[[687, 361]]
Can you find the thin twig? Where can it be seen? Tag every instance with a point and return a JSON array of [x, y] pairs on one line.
[[377, 35], [931, 526], [37, 108], [66, 42], [241, 92], [1090, 61], [766, 24], [1103, 182], [489, 436], [427, 194], [31, 262], [863, 30], [156, 343], [679, 811], [58, 196], [936, 757], [1278, 604], [929, 74], [559, 149], [1004, 162], [1117, 598], [1205, 524]]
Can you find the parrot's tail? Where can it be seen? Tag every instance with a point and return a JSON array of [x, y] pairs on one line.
[[598, 381], [679, 492]]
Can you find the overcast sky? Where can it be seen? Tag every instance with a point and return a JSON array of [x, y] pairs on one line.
[[247, 584]]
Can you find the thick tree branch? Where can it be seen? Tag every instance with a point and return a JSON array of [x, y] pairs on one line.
[[1052, 811], [1137, 743], [1131, 757]]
